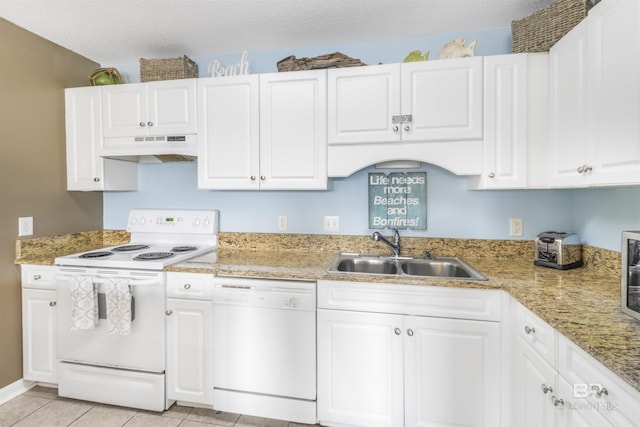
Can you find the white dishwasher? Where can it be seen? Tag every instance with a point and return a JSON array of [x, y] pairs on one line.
[[264, 355]]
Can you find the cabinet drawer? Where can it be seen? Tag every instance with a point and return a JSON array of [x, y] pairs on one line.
[[537, 333], [456, 303], [617, 400], [190, 286], [39, 276]]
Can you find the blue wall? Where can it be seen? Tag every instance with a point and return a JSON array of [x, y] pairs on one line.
[[598, 215]]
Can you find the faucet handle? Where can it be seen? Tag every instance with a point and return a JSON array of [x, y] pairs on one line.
[[427, 254]]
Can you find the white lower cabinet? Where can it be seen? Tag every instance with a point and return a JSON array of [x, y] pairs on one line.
[[385, 369], [189, 338], [555, 383], [39, 324]]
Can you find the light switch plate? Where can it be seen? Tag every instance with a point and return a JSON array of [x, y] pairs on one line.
[[25, 226]]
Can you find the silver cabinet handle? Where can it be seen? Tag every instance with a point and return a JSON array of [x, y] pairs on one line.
[[600, 391], [262, 177], [96, 179], [492, 175], [556, 401], [396, 129], [546, 389], [397, 331], [253, 178], [529, 330], [52, 303], [407, 128], [37, 277], [187, 285], [141, 124], [169, 312], [149, 124], [580, 169], [410, 332]]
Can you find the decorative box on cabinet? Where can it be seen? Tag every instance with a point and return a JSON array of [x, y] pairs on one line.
[[380, 368], [515, 122], [190, 338], [264, 132], [86, 171], [595, 99], [39, 324], [428, 111]]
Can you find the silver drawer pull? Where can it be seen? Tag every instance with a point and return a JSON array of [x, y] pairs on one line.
[[52, 303], [169, 312], [529, 330], [546, 389], [37, 277], [187, 285], [556, 401], [397, 331]]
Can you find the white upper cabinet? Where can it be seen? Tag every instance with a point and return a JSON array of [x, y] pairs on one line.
[[515, 122], [362, 104], [264, 131], [229, 135], [595, 99], [425, 111], [148, 109], [443, 98], [86, 171]]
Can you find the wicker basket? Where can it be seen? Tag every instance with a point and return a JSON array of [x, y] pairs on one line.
[[542, 29], [167, 69]]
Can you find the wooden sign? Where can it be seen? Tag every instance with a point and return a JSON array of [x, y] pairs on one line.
[[242, 67], [398, 200]]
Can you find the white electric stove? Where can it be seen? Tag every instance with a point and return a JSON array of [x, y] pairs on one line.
[[159, 238]]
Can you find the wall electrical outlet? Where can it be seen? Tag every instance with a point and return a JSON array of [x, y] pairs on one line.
[[25, 226], [332, 223], [515, 226], [282, 223]]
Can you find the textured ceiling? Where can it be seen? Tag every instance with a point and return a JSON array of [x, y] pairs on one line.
[[120, 31]]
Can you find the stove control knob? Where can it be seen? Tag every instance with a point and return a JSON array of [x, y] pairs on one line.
[[206, 222], [196, 222], [134, 220]]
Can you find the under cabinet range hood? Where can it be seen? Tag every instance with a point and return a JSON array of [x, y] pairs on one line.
[[151, 149]]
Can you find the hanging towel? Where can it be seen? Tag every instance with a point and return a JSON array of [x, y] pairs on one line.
[[118, 296], [84, 303]]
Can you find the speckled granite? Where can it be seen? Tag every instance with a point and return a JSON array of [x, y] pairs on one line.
[[583, 303]]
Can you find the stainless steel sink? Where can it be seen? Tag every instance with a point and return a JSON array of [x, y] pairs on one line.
[[437, 267]]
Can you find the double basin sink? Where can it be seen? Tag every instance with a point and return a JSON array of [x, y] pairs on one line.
[[436, 267]]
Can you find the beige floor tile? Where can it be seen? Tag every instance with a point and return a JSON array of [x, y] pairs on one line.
[[20, 407], [210, 416], [39, 391], [149, 420], [105, 416], [56, 413], [188, 423], [249, 421], [177, 411]]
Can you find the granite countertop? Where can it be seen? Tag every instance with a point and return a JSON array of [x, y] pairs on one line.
[[583, 304]]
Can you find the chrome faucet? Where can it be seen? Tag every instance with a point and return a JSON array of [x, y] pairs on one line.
[[396, 241]]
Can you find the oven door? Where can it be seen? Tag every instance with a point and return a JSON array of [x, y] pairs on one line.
[[142, 349]]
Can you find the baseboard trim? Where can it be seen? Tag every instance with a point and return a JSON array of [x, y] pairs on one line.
[[14, 389]]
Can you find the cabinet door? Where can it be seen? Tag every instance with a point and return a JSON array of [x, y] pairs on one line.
[[444, 98], [360, 368], [534, 386], [124, 110], [577, 412], [83, 123], [505, 121], [452, 372], [172, 107], [361, 104], [189, 351], [39, 335], [228, 137], [614, 87], [293, 130], [569, 137]]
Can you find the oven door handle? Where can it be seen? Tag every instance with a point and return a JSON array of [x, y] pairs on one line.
[[132, 282]]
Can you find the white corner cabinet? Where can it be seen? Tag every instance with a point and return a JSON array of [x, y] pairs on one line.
[[150, 109], [515, 122], [594, 114], [395, 355], [424, 111], [263, 132], [555, 383], [39, 361], [190, 338], [86, 171]]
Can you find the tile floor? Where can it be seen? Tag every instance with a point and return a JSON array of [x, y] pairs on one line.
[[41, 407]]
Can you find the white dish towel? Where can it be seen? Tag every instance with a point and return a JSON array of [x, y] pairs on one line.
[[84, 303], [118, 296]]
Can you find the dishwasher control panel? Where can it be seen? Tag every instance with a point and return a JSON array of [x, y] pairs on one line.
[[265, 293]]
